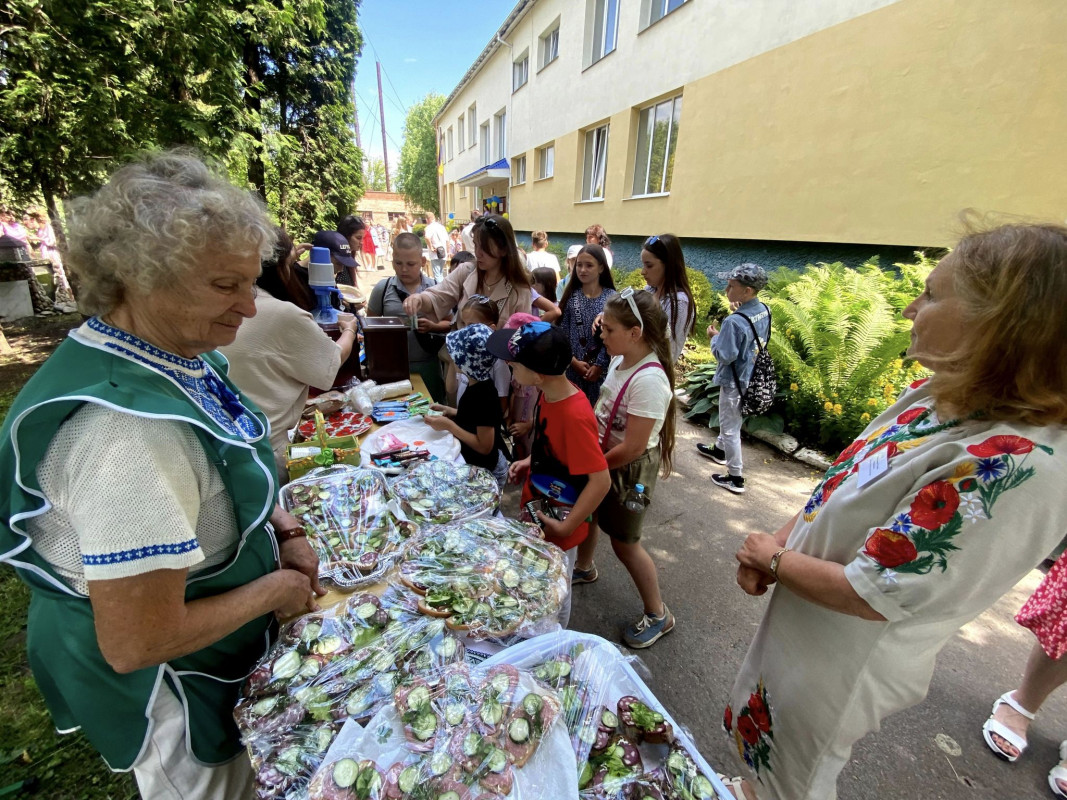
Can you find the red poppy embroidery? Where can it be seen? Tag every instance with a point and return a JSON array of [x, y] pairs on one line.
[[748, 730], [889, 548], [759, 713], [918, 383], [831, 485], [910, 415], [851, 450], [934, 505], [728, 719], [1001, 446]]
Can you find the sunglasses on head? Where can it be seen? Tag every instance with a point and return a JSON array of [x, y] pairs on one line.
[[627, 294], [480, 299]]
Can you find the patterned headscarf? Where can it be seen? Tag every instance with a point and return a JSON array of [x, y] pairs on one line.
[[467, 348]]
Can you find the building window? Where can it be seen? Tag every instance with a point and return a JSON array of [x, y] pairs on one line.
[[500, 120], [518, 170], [657, 139], [548, 46], [461, 129], [520, 71], [658, 9], [596, 163], [487, 153], [462, 192], [605, 33], [449, 142], [472, 122], [546, 161]]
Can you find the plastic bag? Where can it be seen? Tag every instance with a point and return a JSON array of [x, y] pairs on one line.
[[438, 492], [488, 578], [477, 733], [326, 668], [625, 743], [416, 434], [351, 522], [361, 399]]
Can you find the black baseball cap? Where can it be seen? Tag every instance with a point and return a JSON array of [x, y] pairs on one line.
[[338, 246], [538, 346]]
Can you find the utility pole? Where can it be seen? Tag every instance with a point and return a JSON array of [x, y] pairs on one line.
[[381, 115], [355, 114]]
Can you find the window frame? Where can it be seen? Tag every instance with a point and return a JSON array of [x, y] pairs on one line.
[[486, 130], [653, 6], [449, 140], [472, 122], [521, 63], [603, 8], [518, 170], [674, 123], [552, 32], [500, 135], [599, 163], [546, 155], [461, 124]]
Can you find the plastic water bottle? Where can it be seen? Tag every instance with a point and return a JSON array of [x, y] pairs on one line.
[[635, 501]]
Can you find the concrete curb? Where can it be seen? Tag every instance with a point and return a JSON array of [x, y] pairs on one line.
[[782, 442]]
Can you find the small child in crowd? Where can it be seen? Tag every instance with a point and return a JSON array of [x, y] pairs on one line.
[[590, 287], [523, 400], [566, 451], [480, 309], [635, 419], [572, 256], [734, 348], [477, 419], [544, 285], [459, 258]]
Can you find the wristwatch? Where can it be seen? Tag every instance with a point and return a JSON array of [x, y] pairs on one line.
[[775, 560], [289, 533]]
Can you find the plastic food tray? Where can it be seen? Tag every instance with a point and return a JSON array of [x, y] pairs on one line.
[[621, 678]]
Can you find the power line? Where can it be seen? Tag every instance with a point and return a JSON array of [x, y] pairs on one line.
[[400, 101]]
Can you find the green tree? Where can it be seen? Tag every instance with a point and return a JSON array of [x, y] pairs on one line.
[[375, 174], [417, 175]]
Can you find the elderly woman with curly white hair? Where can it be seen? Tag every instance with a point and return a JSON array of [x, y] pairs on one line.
[[138, 486]]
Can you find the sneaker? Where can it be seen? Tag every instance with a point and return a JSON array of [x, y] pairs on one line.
[[731, 483], [647, 630], [715, 453], [584, 575]]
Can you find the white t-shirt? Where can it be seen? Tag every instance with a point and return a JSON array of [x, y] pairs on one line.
[[277, 355], [537, 259], [648, 395], [436, 235], [129, 495]]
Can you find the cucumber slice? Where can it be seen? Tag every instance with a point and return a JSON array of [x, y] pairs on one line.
[[440, 762], [519, 730], [358, 702], [491, 712], [345, 772], [424, 726], [327, 645], [588, 735], [585, 775], [530, 587], [472, 743], [311, 632], [265, 706], [418, 697], [609, 720], [702, 788], [309, 668], [532, 703], [454, 714], [510, 578], [676, 762], [501, 683], [369, 782], [387, 681], [462, 605], [366, 610], [506, 602], [448, 796], [383, 662], [497, 760], [447, 648], [409, 779], [286, 666], [564, 668]]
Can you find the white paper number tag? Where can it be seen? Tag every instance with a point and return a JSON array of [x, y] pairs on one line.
[[873, 466]]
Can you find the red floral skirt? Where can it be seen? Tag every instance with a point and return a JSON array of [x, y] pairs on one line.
[[1044, 613]]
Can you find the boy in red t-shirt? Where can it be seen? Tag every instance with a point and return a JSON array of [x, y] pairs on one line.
[[567, 468]]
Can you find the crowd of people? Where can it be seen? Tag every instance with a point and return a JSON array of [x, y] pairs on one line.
[[142, 464]]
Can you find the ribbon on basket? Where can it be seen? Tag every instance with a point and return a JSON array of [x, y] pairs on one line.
[[326, 456]]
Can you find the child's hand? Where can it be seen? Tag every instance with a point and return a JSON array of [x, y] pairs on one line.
[[599, 318], [735, 304], [441, 423], [593, 373], [553, 528], [447, 411], [581, 367], [712, 330], [518, 470], [520, 429]]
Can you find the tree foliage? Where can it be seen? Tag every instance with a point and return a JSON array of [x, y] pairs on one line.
[[375, 174], [417, 175], [260, 84]]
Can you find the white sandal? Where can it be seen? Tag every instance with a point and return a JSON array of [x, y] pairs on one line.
[[734, 785], [1059, 772], [992, 726]]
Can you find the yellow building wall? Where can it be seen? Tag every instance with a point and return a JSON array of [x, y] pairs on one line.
[[878, 130]]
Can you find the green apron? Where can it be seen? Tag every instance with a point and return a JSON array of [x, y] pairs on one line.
[[80, 689]]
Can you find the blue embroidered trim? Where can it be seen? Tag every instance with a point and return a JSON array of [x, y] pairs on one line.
[[195, 376], [141, 552]]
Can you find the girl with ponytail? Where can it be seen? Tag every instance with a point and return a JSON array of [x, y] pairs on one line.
[[635, 417]]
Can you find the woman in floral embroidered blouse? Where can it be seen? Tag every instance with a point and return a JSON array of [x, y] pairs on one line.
[[938, 508]]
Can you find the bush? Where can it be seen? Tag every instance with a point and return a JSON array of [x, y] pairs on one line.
[[838, 342], [419, 230]]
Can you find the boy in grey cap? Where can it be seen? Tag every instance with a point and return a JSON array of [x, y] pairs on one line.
[[734, 348]]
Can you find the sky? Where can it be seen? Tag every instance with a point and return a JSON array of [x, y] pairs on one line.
[[424, 46]]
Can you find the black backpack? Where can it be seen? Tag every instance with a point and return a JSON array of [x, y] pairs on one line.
[[763, 385]]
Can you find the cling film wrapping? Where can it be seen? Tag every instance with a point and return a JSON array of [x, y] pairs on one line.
[[487, 578], [438, 491], [351, 522], [472, 734], [329, 667]]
